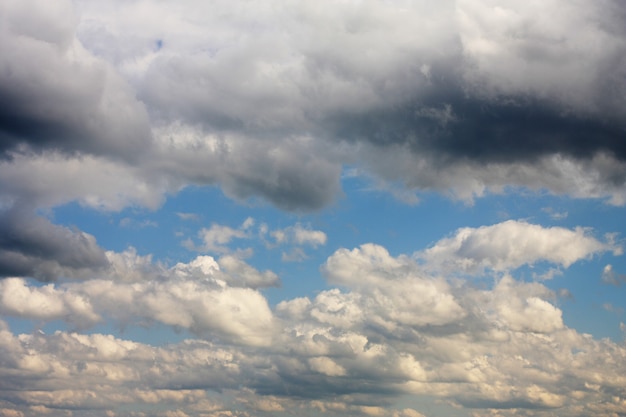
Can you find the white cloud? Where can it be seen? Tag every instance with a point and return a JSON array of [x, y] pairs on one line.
[[216, 238], [395, 291], [522, 307], [511, 244], [609, 276], [555, 215], [392, 329], [47, 303], [239, 273], [295, 236], [198, 296], [299, 235], [195, 297], [326, 366], [129, 266], [302, 236], [118, 104]]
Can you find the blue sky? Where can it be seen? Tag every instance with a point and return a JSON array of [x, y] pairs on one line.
[[283, 208]]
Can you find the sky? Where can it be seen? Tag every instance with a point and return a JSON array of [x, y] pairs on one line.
[[253, 208]]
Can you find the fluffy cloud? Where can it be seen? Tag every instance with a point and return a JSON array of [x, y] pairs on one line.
[[509, 245], [299, 235], [514, 99], [208, 298], [216, 237], [45, 303], [59, 95], [393, 330], [239, 273], [197, 296], [117, 104]]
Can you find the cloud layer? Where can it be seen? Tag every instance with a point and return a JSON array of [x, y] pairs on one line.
[[386, 329], [270, 100], [117, 105]]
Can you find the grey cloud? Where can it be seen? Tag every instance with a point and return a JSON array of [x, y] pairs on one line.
[[32, 246], [509, 129], [56, 95], [454, 96], [293, 173], [371, 91]]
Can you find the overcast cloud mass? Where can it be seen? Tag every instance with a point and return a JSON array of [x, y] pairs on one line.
[[123, 106]]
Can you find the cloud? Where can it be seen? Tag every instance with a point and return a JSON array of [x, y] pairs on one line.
[[52, 179], [413, 299], [164, 103], [392, 330], [188, 216], [216, 238], [610, 277], [32, 246], [299, 235], [120, 104], [45, 303], [555, 215], [511, 244], [198, 296], [194, 296], [136, 224], [238, 273], [302, 236], [57, 94], [296, 236]]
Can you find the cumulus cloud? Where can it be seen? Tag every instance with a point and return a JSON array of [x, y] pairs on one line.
[[446, 107], [198, 296], [118, 104], [511, 244], [207, 297], [215, 238], [45, 303], [296, 236], [392, 330], [299, 235], [239, 273], [57, 94]]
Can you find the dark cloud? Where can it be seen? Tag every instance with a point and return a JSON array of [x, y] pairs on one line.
[[450, 89], [56, 95], [511, 129], [32, 246]]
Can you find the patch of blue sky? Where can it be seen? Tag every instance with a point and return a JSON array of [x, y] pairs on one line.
[[367, 215]]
